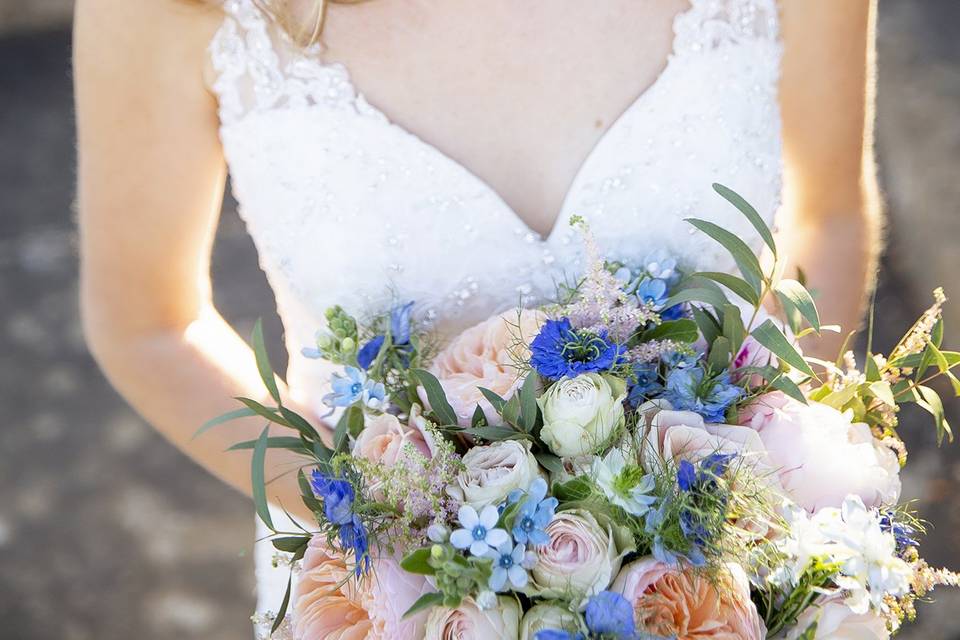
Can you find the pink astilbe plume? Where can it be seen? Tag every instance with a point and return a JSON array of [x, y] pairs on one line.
[[601, 303]]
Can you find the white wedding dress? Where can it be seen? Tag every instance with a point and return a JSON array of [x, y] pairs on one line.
[[347, 208]]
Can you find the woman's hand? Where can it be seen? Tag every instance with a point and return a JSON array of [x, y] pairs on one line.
[[151, 176]]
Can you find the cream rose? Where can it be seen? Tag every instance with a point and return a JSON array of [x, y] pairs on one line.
[[821, 457], [492, 471], [580, 560], [674, 603], [835, 621], [486, 355], [470, 622], [581, 414], [543, 617]]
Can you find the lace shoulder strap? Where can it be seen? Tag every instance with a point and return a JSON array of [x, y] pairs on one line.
[[257, 67], [714, 24]]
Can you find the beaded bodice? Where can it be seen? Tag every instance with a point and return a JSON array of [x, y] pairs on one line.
[[348, 208]]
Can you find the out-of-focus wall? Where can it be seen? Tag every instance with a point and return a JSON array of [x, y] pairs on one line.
[[33, 14]]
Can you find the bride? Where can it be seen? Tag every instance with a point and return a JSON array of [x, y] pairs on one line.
[[434, 151]]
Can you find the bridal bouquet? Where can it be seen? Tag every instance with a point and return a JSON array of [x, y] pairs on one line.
[[649, 456]]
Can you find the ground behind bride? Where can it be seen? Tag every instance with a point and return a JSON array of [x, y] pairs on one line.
[[106, 532]]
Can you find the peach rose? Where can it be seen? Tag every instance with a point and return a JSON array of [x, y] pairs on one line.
[[328, 604], [485, 356], [681, 604], [331, 605], [470, 622], [383, 440], [820, 455]]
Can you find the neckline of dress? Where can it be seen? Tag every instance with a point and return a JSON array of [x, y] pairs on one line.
[[314, 54]]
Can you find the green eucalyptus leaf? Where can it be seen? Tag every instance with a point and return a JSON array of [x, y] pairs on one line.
[[259, 482], [494, 434], [227, 417], [771, 337], [789, 387], [494, 399], [277, 442], [436, 397], [529, 411], [707, 323], [743, 255], [282, 613], [418, 562], [696, 294], [681, 330], [426, 601], [720, 354], [550, 462], [263, 361], [737, 285], [733, 329], [883, 392], [749, 212], [932, 403], [479, 418], [289, 544], [800, 299]]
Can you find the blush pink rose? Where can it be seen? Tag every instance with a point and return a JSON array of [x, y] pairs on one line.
[[383, 440], [331, 605], [486, 355], [682, 604], [820, 455]]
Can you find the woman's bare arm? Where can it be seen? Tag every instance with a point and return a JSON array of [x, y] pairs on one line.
[[151, 176], [832, 223]]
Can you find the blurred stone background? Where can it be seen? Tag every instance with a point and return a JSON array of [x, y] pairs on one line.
[[107, 532]]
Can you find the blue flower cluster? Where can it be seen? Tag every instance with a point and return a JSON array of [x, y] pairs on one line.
[[399, 336], [560, 351], [338, 498], [608, 616], [691, 389], [512, 557]]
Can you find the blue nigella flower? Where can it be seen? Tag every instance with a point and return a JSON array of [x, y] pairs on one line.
[[399, 335], [534, 515], [903, 533], [478, 533], [559, 351], [337, 495], [675, 312], [510, 563], [652, 524], [689, 389], [647, 384], [354, 386], [353, 537]]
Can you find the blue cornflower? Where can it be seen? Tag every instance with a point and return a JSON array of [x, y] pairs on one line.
[[559, 351], [337, 495], [680, 360], [399, 335], [510, 562], [647, 383], [654, 292], [355, 386], [903, 533], [353, 537], [478, 533], [534, 515], [689, 389]]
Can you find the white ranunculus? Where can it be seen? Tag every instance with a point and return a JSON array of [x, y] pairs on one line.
[[547, 616], [501, 622], [581, 559], [491, 472], [580, 415]]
